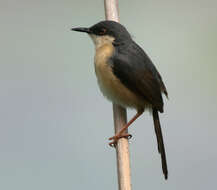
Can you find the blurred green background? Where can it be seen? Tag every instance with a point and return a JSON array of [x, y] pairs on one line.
[[54, 122]]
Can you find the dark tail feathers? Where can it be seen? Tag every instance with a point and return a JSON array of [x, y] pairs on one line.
[[160, 142]]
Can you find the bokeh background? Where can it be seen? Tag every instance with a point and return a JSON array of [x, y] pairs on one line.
[[54, 122]]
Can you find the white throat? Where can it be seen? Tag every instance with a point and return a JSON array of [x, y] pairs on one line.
[[100, 41]]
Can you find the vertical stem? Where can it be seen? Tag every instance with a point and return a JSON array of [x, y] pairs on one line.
[[120, 118], [122, 150], [111, 10]]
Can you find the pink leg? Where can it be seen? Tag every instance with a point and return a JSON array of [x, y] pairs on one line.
[[120, 133]]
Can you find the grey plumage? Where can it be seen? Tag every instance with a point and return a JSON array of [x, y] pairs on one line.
[[127, 76]]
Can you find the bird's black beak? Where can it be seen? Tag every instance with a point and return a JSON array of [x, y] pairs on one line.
[[86, 30]]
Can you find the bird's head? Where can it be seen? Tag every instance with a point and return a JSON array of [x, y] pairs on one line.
[[106, 32]]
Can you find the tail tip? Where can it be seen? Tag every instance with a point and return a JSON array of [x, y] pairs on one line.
[[166, 176]]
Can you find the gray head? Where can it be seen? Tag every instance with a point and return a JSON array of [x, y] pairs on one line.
[[110, 29]]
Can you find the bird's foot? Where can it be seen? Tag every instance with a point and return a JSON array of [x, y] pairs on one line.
[[117, 137]]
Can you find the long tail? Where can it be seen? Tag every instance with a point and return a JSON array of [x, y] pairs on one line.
[[160, 142]]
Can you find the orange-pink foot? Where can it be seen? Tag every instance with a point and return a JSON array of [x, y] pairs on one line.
[[116, 137]]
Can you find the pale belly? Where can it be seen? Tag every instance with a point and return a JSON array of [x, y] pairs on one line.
[[110, 86]]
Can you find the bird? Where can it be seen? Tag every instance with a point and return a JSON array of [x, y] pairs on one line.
[[127, 77]]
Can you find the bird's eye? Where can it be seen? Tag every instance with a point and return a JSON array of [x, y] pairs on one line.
[[103, 31]]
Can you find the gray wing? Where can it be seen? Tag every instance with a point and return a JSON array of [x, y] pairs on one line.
[[136, 71]]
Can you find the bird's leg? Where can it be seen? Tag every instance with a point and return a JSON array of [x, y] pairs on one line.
[[120, 133]]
